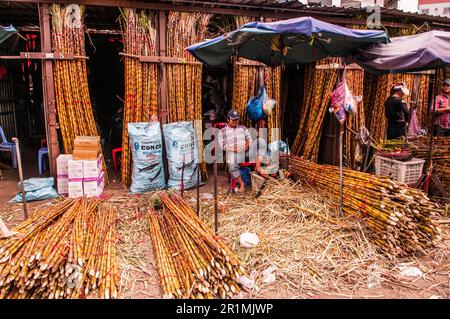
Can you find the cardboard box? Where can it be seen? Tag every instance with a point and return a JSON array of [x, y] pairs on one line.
[[85, 154], [86, 143], [62, 185], [75, 188], [94, 186], [92, 168], [61, 164], [74, 169]]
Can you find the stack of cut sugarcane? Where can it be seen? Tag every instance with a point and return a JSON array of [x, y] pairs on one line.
[[375, 109], [192, 262], [63, 251], [319, 85], [400, 217], [73, 103], [141, 79]]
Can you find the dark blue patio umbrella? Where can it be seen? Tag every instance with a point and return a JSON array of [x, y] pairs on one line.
[[299, 40]]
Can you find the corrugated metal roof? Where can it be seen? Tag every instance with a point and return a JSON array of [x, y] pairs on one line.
[[19, 13]]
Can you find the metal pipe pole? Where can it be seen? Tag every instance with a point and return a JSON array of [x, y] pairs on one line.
[[216, 215], [198, 189], [341, 170], [22, 188]]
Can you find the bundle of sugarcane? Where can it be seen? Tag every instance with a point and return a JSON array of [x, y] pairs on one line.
[[355, 82], [319, 84], [185, 79], [420, 99], [73, 103], [272, 82], [62, 251], [191, 261], [244, 80], [384, 83], [401, 218], [141, 79]]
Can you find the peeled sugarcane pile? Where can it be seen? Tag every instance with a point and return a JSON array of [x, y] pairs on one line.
[[400, 217], [319, 85], [71, 85], [62, 251], [355, 81], [191, 261], [185, 79], [141, 79]]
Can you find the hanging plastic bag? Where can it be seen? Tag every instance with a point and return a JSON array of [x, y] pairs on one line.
[[268, 105], [255, 106], [146, 146]]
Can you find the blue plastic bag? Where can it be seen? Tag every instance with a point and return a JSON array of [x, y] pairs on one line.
[[146, 149], [181, 143], [36, 188], [255, 106], [39, 194]]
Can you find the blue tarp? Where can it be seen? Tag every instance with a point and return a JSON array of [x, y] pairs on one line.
[[299, 40], [418, 52], [6, 32]]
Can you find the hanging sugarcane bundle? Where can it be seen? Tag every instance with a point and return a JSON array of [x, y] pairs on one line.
[[62, 251], [319, 84], [73, 103], [355, 82], [191, 261], [141, 79], [401, 218], [184, 79]]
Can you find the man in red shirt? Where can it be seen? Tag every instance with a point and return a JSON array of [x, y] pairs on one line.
[[442, 107]]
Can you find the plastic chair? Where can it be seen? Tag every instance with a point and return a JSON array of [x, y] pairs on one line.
[[42, 164], [114, 156], [245, 174], [6, 146]]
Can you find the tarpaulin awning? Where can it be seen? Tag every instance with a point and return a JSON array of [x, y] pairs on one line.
[[6, 32], [418, 52], [299, 40]]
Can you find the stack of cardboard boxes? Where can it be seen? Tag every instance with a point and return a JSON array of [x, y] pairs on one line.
[[81, 174]]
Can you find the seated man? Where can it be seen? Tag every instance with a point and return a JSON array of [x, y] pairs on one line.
[[235, 139]]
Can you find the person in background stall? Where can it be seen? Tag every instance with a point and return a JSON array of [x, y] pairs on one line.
[[396, 111], [235, 140], [442, 107]]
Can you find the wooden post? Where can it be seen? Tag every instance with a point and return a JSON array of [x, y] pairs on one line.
[[162, 20], [48, 89]]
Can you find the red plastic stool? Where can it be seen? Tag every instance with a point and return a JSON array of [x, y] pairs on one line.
[[250, 165], [114, 156]]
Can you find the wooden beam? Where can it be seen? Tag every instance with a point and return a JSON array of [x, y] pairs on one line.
[[48, 88], [158, 59], [43, 56]]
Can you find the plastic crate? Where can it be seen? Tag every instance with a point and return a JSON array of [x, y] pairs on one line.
[[405, 172]]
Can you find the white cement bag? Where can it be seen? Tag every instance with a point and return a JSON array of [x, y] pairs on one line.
[[181, 143]]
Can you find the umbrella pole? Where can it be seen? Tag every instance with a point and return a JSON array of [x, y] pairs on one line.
[[433, 117], [341, 170], [216, 215], [198, 189]]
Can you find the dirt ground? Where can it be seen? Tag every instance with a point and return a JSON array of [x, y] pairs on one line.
[[139, 278]]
